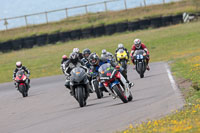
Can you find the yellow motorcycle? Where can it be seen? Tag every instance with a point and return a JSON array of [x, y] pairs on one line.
[[122, 58]]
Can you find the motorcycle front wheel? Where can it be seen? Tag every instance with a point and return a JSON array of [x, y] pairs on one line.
[[120, 93]]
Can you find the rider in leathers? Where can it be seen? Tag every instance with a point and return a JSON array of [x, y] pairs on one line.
[[86, 52], [25, 69], [96, 63], [73, 62]]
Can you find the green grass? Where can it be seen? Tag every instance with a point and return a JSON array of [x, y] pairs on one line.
[[94, 19], [165, 44]]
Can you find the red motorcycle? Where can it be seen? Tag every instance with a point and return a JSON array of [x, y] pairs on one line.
[[21, 83]]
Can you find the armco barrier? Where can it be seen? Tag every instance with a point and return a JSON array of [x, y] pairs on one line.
[[44, 39]]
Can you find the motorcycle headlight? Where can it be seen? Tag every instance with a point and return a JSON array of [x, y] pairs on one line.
[[24, 78]]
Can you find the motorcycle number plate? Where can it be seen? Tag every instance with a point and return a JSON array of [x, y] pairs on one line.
[[139, 56]]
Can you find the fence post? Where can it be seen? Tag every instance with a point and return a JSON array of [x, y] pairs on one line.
[[145, 3], [46, 17], [86, 10], [26, 20], [6, 23], [66, 11], [106, 9], [125, 4], [163, 1]]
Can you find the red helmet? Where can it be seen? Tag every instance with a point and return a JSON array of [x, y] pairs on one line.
[[64, 56]]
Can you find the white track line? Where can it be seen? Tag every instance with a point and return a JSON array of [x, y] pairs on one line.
[[173, 83]]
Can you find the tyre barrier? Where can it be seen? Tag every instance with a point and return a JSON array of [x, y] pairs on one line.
[[122, 27], [145, 23], [29, 42], [64, 36], [53, 38], [6, 46], [177, 19], [132, 26], [97, 31], [110, 29], [156, 22], [17, 44], [76, 34], [166, 20], [41, 40], [88, 32]]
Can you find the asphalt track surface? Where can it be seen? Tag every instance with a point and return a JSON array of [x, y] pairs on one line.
[[50, 108]]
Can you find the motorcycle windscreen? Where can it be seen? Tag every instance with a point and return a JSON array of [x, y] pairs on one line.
[[78, 74], [20, 75]]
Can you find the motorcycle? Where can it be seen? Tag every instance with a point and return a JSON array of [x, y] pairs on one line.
[[95, 84], [78, 85], [122, 58], [113, 82], [20, 80], [140, 62]]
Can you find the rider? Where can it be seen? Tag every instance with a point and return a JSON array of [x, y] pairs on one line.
[[73, 62], [64, 59], [105, 55], [76, 50], [86, 52], [139, 46], [25, 69], [121, 46], [96, 63]]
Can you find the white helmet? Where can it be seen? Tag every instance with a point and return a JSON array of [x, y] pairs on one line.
[[137, 43], [104, 51], [19, 64], [76, 50], [120, 45]]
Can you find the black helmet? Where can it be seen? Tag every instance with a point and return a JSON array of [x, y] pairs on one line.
[[86, 52], [74, 57], [93, 59]]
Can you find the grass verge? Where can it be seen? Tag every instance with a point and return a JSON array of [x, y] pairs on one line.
[[165, 44], [95, 19], [187, 119]]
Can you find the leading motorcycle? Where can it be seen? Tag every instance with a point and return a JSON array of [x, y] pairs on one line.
[[20, 80], [78, 85]]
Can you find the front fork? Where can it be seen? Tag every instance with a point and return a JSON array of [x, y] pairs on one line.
[[126, 88]]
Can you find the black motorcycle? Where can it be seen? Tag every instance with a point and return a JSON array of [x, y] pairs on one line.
[[78, 85], [140, 62], [95, 84]]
